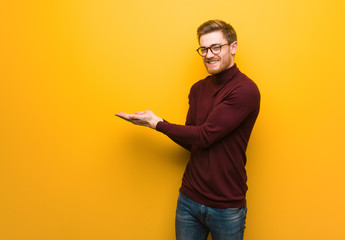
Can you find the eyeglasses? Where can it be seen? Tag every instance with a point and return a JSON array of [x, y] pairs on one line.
[[215, 49]]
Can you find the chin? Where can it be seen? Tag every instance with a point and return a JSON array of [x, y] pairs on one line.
[[213, 71]]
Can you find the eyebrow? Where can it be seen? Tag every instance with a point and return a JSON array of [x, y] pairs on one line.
[[212, 45]]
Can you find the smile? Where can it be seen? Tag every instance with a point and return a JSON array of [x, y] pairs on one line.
[[212, 62]]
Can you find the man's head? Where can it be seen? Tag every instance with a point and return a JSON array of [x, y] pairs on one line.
[[218, 45]]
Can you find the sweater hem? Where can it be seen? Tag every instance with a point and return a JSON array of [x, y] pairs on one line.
[[196, 197]]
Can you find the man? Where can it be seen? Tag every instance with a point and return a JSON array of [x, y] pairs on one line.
[[222, 112]]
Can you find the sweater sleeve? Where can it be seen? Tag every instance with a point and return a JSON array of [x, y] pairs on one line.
[[224, 118], [189, 122], [177, 140]]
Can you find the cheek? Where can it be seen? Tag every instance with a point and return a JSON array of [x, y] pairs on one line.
[[227, 60]]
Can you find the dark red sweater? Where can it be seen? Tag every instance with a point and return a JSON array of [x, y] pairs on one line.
[[223, 109]]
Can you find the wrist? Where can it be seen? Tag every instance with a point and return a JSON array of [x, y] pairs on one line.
[[157, 120]]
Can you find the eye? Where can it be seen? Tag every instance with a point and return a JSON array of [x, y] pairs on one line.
[[203, 50], [216, 48]]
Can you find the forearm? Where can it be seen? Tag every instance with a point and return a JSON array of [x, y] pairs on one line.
[[178, 141], [222, 121], [183, 135]]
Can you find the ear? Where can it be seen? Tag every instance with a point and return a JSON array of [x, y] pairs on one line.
[[233, 47]]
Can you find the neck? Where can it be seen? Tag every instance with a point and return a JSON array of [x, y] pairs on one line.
[[227, 74]]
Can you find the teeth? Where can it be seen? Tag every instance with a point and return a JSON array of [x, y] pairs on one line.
[[213, 62]]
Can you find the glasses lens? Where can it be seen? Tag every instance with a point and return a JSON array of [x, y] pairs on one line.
[[216, 48], [202, 51]]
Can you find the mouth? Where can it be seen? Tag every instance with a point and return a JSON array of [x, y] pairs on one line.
[[212, 61]]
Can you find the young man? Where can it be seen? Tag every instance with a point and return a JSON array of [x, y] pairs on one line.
[[222, 112]]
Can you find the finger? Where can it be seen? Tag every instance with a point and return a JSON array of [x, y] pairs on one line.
[[122, 115], [141, 117]]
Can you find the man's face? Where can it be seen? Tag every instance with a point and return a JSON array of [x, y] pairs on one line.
[[216, 63]]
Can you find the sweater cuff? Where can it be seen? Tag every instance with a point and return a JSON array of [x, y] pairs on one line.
[[161, 126]]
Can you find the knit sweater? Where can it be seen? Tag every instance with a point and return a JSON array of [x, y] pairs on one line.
[[222, 111]]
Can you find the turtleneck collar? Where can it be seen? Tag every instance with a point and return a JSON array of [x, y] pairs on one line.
[[222, 77]]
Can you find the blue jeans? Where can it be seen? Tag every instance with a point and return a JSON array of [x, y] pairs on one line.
[[195, 221]]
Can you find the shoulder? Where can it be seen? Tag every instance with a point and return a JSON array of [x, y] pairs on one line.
[[203, 83], [244, 84], [241, 89]]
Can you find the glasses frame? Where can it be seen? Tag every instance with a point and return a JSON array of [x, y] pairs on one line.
[[210, 48]]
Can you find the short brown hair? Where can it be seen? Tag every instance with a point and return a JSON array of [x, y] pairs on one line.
[[218, 25]]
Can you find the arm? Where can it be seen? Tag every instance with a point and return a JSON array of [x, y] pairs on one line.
[[180, 141], [222, 120]]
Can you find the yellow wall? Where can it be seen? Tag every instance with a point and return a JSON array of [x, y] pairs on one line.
[[71, 170]]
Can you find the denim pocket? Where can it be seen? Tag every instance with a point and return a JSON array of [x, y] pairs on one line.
[[228, 221], [184, 208], [230, 214]]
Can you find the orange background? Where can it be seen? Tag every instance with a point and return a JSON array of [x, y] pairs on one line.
[[71, 170]]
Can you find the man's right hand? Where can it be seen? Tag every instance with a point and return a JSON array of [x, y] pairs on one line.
[[145, 118]]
